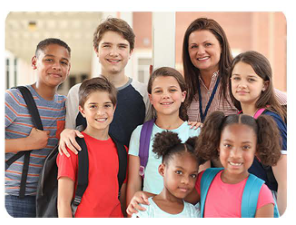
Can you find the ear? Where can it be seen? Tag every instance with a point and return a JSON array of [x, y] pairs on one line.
[[81, 110], [34, 62], [161, 169], [265, 85], [130, 54], [150, 98], [184, 93]]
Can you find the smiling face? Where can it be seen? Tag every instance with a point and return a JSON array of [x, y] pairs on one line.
[[237, 150], [52, 65], [246, 85], [166, 95], [98, 110], [204, 50], [180, 174], [113, 53]]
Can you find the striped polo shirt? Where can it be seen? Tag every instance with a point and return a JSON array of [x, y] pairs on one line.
[[18, 124]]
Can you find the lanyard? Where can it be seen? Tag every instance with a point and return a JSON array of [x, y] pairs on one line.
[[203, 116]]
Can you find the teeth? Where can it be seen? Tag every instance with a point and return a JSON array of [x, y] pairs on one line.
[[235, 164], [203, 58], [167, 103], [100, 120]]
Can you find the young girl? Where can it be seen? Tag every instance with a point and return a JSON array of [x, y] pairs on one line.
[[179, 169], [167, 93], [235, 139], [252, 92]]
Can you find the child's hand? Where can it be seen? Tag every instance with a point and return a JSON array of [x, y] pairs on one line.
[[195, 124], [139, 198], [38, 139], [67, 138]]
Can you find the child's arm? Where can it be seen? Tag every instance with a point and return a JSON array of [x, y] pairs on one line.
[[265, 211], [65, 196], [134, 179], [280, 174], [123, 199], [140, 197], [37, 139], [67, 139]]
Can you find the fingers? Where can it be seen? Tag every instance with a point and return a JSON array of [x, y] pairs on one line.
[[79, 134]]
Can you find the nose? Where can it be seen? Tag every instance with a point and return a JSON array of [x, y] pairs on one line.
[[56, 66], [201, 50], [113, 52], [185, 180], [101, 111], [235, 153]]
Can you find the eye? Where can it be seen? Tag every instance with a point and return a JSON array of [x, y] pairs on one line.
[[122, 46], [208, 44], [246, 147], [64, 63], [235, 78], [193, 46], [251, 80], [193, 176], [92, 106], [173, 90], [48, 60], [179, 172], [227, 145], [108, 106]]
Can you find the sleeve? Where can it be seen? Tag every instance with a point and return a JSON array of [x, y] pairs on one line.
[[67, 167], [281, 96], [126, 175], [12, 105], [265, 197], [72, 104], [283, 130], [198, 180], [135, 142]]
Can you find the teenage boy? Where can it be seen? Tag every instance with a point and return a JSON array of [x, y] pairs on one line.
[[52, 63], [97, 103], [113, 43]]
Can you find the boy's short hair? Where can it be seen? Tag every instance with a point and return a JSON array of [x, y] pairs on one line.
[[96, 84], [116, 25], [50, 41]]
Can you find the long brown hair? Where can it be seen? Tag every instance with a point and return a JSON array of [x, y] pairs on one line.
[[191, 73], [262, 68]]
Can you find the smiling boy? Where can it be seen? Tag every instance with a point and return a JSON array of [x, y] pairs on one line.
[[97, 103], [52, 63]]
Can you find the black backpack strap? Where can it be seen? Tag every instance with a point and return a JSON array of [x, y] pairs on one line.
[[122, 159], [31, 104], [33, 110], [82, 181]]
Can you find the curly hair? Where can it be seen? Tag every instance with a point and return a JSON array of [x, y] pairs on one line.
[[167, 143], [268, 148]]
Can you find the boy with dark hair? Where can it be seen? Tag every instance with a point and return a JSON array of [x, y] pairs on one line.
[[113, 44], [97, 103], [52, 63]]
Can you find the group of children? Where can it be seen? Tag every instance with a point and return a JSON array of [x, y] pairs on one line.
[[114, 107]]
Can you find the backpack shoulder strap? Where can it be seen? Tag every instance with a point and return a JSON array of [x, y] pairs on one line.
[[259, 112], [31, 104], [205, 183], [122, 159], [144, 144], [250, 196], [33, 110], [82, 180]]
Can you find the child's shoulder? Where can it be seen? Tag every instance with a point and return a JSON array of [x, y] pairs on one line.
[[140, 87]]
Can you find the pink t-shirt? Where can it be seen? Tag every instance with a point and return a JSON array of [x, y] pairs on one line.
[[224, 200]]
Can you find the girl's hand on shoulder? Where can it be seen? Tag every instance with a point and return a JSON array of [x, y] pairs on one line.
[[67, 139], [139, 198], [195, 124]]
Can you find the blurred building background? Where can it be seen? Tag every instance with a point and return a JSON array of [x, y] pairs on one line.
[[260, 31]]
